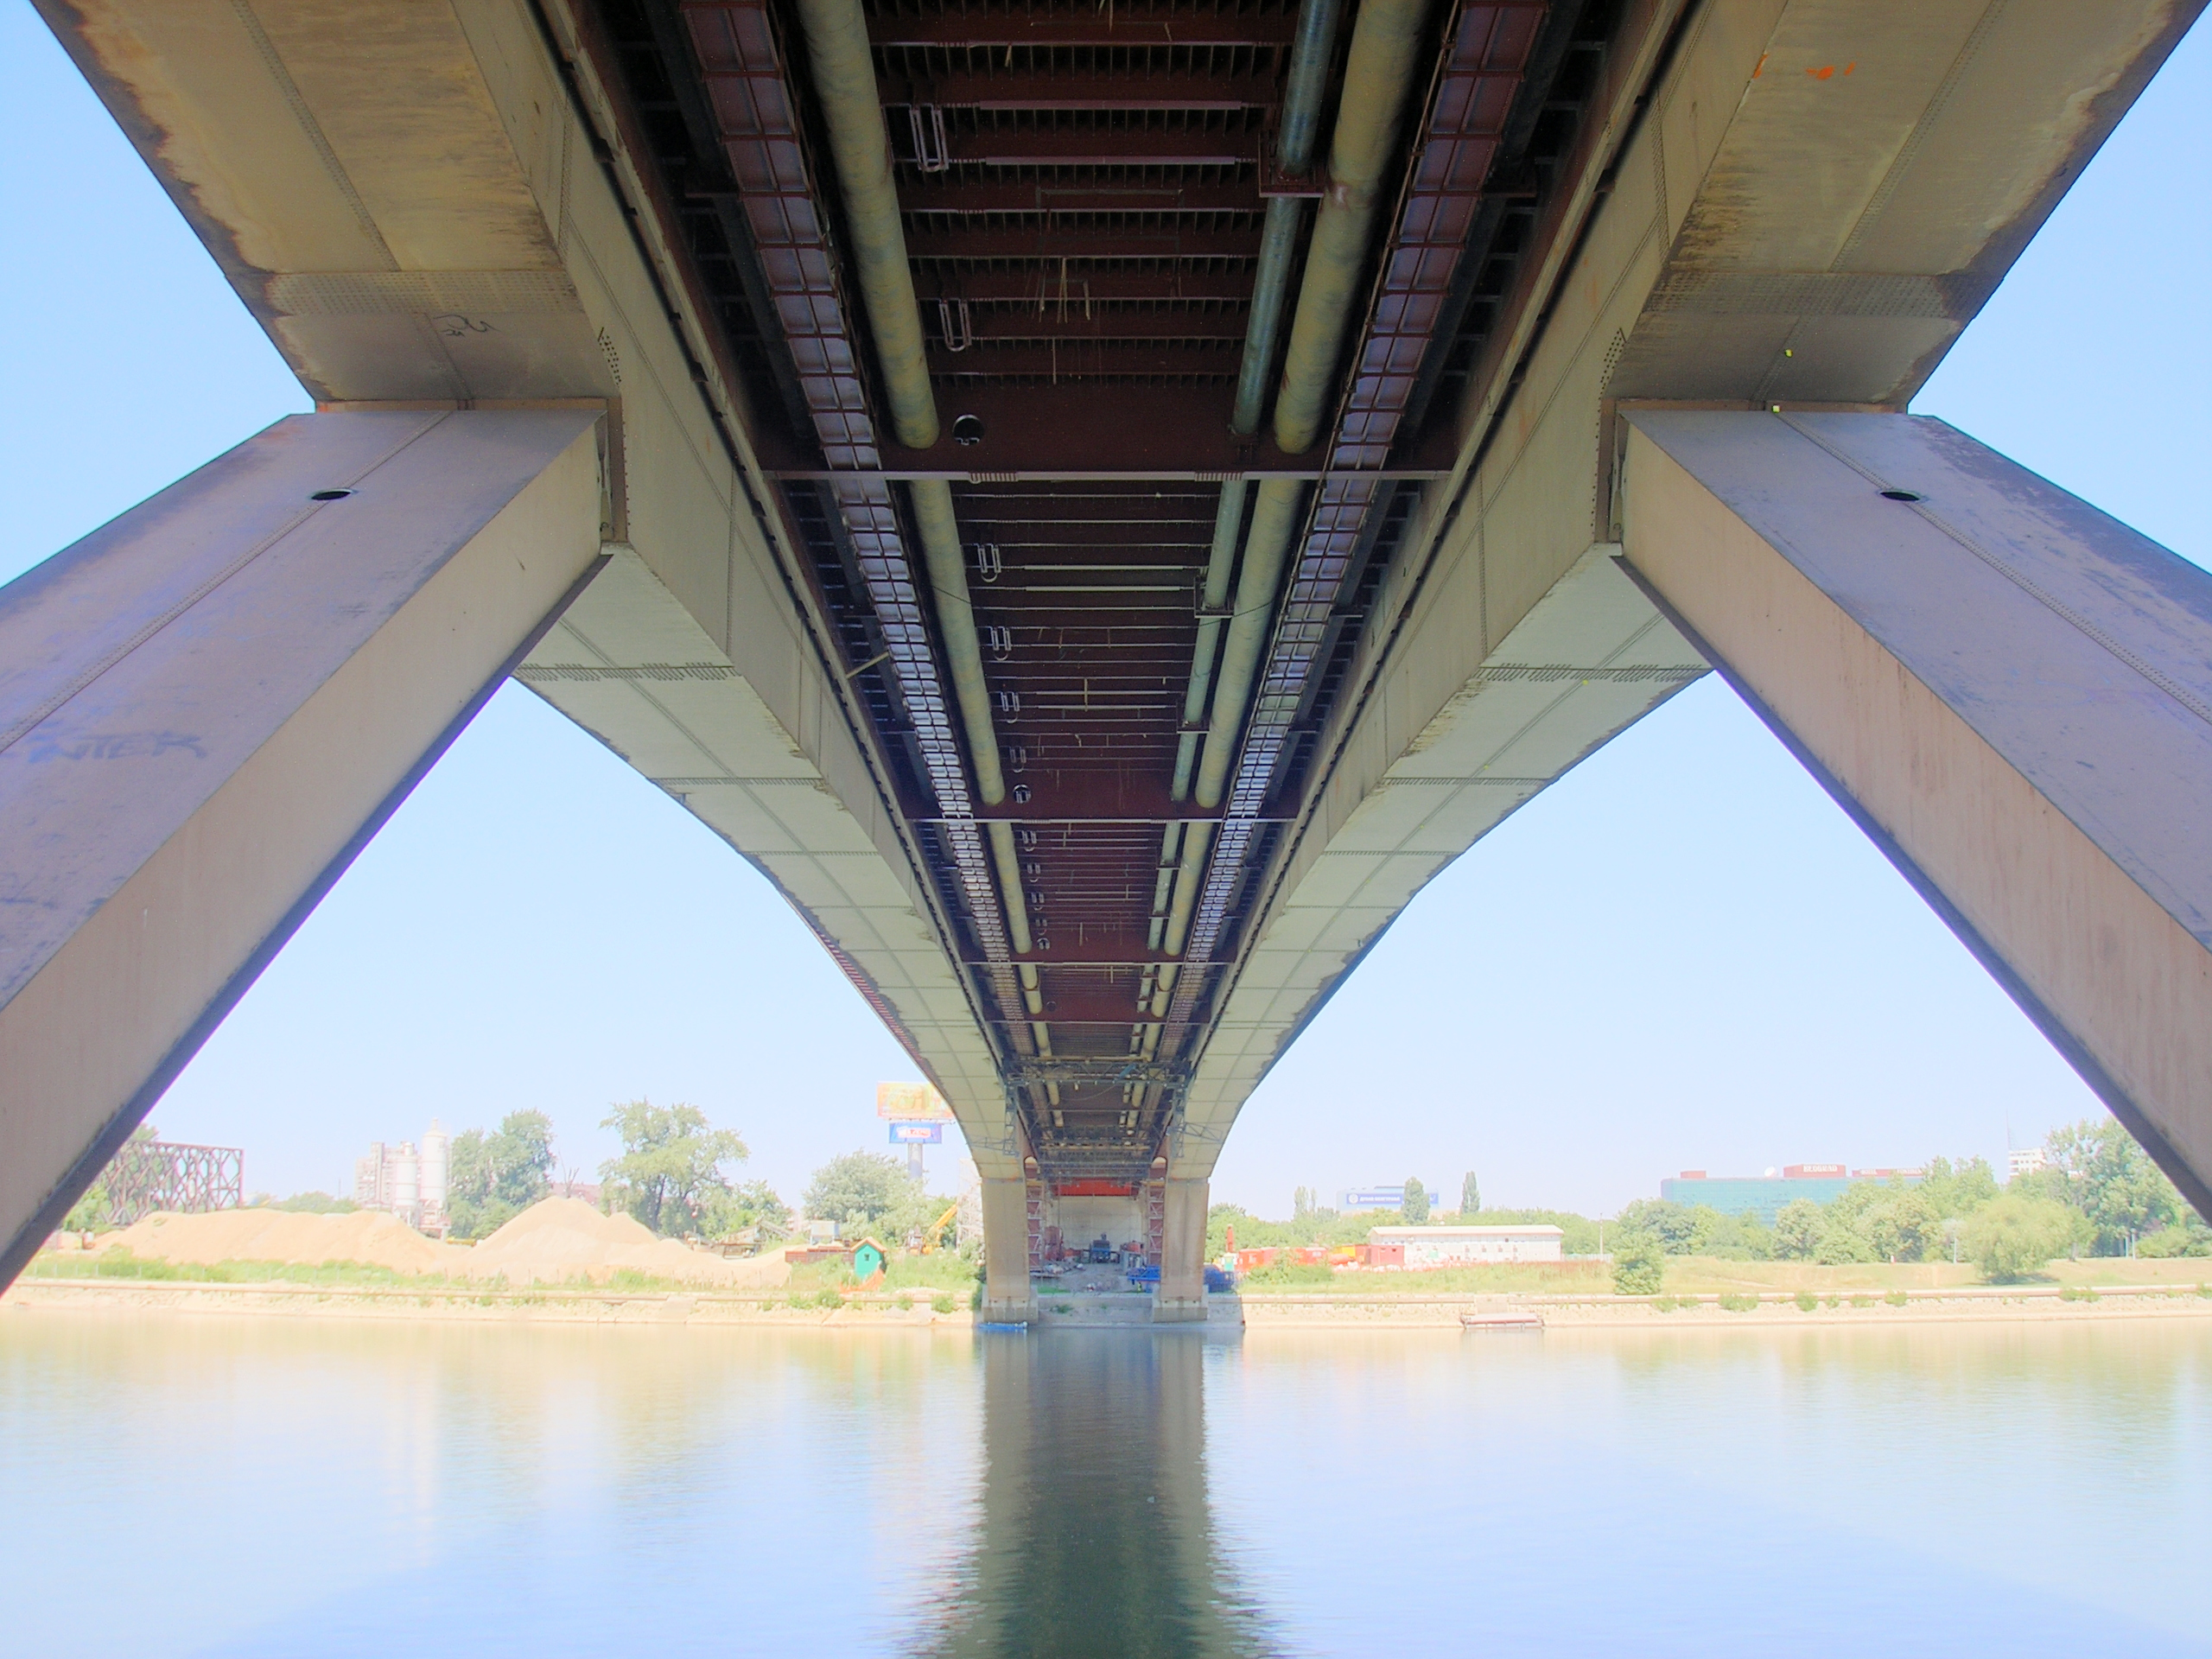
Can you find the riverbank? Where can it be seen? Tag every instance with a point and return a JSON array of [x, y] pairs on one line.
[[1358, 1309]]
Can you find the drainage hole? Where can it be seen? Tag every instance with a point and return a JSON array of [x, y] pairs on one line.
[[340, 495], [1901, 495]]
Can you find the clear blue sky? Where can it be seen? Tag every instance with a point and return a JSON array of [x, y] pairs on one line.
[[1682, 956]]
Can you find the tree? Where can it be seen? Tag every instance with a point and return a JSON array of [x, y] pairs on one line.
[[1301, 1204], [671, 1164], [491, 1178], [1639, 1264], [2014, 1236], [2112, 1181], [1415, 1204], [1471, 1195], [1797, 1231], [866, 1192], [1673, 1225]]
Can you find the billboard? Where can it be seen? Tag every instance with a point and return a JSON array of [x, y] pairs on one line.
[[911, 1102], [914, 1134]]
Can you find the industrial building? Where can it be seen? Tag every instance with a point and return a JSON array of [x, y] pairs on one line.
[[1461, 1247], [409, 1181], [1763, 1195]]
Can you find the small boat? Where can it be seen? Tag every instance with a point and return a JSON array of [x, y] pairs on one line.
[[1517, 1319]]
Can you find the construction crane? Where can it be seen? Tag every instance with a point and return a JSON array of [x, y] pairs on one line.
[[935, 1231]]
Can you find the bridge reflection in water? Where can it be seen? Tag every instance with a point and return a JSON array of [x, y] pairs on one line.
[[1096, 1534]]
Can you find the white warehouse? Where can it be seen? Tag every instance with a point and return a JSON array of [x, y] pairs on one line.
[[1459, 1247]]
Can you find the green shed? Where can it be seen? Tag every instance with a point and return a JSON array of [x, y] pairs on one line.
[[867, 1261]]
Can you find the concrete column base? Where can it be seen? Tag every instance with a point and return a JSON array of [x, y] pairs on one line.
[[1007, 1298], [1181, 1297]]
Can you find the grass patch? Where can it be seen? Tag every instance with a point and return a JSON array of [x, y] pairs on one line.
[[2078, 1293], [1897, 1298], [942, 1304], [1807, 1300], [828, 1296], [1739, 1304]]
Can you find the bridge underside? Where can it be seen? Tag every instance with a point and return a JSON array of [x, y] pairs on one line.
[[1101, 503]]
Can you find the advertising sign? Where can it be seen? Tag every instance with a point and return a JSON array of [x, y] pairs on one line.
[[923, 1134], [913, 1102]]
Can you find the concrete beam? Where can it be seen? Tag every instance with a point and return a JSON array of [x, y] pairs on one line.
[[209, 706], [2008, 690]]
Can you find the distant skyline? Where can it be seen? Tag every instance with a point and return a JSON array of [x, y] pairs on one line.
[[1680, 957]]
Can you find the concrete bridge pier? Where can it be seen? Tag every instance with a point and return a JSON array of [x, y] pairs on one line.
[[207, 708], [1008, 1298], [2010, 691], [1181, 1297]]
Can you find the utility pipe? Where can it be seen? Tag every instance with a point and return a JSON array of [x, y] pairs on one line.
[[1378, 74], [955, 615], [1274, 520], [1228, 519], [1301, 121], [844, 76]]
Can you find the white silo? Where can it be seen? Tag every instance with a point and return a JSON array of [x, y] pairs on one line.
[[406, 1181], [437, 1159]]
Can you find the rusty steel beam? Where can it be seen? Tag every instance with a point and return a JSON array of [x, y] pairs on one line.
[[954, 193], [1056, 359], [1093, 241], [1017, 286], [1035, 324], [1118, 26], [1025, 89], [1105, 147]]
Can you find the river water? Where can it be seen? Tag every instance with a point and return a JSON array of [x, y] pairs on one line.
[[203, 1484]]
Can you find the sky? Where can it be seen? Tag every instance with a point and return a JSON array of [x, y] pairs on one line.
[[1682, 956]]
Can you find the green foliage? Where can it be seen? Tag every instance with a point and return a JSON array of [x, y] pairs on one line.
[[1897, 1298], [91, 1213], [2013, 1235], [827, 1297], [1736, 1303], [1672, 1225], [1807, 1300], [1301, 1207], [941, 1304], [491, 1178], [2191, 1237], [2098, 1168], [1415, 1204], [1957, 1191], [1471, 1195], [316, 1204], [670, 1174], [868, 1193], [2078, 1293], [724, 1211], [1639, 1264]]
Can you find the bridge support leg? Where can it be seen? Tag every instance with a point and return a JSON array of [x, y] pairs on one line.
[[1182, 1293], [2009, 691], [1007, 1298], [208, 706]]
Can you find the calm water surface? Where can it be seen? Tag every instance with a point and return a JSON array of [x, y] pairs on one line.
[[173, 1484]]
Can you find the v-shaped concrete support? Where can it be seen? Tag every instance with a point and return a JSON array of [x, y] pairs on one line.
[[2008, 690], [210, 705]]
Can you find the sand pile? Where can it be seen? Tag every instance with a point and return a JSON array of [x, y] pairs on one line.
[[553, 1241], [365, 1235], [566, 1238]]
